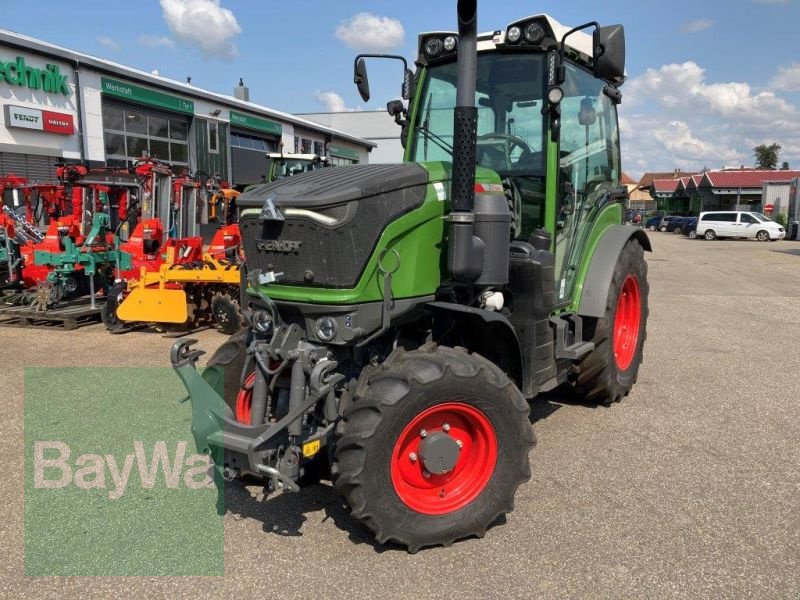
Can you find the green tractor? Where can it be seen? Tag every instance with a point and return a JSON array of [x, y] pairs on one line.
[[400, 317]]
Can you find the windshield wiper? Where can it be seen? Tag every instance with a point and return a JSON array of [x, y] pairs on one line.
[[435, 138]]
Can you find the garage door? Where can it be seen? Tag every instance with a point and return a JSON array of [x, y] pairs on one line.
[[34, 168], [248, 157]]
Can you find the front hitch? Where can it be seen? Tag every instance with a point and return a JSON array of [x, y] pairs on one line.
[[208, 406]]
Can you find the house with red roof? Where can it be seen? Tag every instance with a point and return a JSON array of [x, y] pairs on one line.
[[728, 189]]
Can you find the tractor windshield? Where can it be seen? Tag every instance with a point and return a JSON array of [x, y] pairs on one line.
[[509, 97], [294, 166]]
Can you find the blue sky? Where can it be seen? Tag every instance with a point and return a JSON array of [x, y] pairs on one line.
[[708, 79]]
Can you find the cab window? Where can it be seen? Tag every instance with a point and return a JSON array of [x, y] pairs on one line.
[[745, 218]]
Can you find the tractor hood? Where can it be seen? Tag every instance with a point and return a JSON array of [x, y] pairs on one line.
[[326, 223], [335, 185]]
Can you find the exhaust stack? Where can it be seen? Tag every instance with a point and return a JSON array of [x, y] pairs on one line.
[[479, 238]]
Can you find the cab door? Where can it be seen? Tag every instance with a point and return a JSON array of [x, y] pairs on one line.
[[589, 168]]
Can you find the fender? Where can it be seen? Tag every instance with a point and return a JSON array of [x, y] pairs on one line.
[[594, 293], [485, 332]]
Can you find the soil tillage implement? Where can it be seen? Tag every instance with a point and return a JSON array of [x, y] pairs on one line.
[[181, 294], [190, 287], [98, 258], [399, 316]]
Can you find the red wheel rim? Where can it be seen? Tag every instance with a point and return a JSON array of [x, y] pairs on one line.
[[244, 400], [626, 323], [443, 493]]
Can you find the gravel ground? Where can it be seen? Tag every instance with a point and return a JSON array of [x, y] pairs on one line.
[[689, 487]]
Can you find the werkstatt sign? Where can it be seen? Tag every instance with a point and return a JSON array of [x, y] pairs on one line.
[[49, 79], [39, 120], [118, 89], [241, 120]]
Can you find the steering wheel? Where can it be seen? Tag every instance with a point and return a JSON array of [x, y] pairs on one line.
[[511, 143]]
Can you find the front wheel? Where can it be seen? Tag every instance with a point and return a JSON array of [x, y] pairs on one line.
[[762, 236], [693, 234], [607, 374], [433, 447]]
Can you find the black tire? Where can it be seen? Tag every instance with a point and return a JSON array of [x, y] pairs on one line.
[[226, 313], [762, 236], [108, 313], [387, 399], [228, 362], [710, 235], [677, 231], [693, 234], [599, 378]]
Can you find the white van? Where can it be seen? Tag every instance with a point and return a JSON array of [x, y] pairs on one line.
[[738, 224]]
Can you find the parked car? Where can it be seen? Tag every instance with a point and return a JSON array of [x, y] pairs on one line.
[[738, 224], [662, 226], [689, 227], [675, 224], [652, 223]]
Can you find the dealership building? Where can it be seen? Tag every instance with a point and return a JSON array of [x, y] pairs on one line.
[[60, 105]]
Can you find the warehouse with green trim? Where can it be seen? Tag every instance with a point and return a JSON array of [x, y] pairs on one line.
[[60, 105]]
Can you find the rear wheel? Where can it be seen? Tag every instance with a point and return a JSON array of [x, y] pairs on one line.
[[663, 229], [433, 447], [710, 234], [762, 236], [608, 373]]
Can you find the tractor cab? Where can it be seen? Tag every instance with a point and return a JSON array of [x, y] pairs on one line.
[[546, 97], [281, 165]]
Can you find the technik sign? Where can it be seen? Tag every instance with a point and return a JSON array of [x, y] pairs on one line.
[[39, 120], [48, 79]]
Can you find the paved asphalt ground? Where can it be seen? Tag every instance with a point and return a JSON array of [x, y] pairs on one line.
[[690, 487]]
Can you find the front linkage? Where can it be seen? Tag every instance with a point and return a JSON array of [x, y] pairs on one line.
[[303, 416]]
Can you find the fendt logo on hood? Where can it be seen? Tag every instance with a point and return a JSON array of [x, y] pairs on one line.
[[282, 246]]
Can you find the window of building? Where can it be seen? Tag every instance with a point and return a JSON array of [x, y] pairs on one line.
[[213, 137], [338, 161], [319, 148], [249, 142], [129, 133]]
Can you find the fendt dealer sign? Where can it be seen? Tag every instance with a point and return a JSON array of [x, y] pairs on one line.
[[40, 120]]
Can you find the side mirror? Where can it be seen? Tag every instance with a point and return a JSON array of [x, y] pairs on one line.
[[609, 52], [361, 79]]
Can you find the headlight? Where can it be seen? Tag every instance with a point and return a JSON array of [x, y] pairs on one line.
[[534, 33], [325, 329], [433, 47], [555, 95], [513, 35], [450, 43], [262, 321]]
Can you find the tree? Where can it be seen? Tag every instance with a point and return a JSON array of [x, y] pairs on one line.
[[785, 166], [767, 156]]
